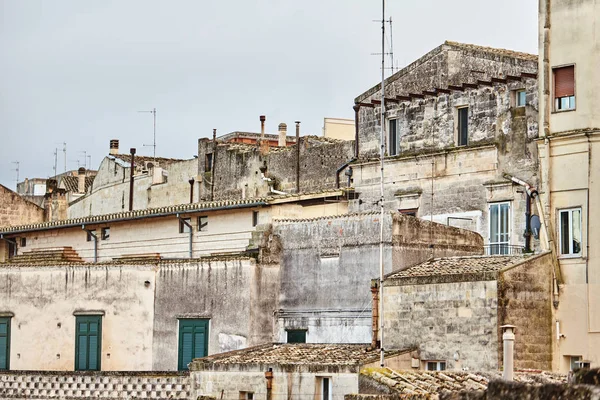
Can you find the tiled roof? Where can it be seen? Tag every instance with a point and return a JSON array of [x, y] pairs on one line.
[[162, 161], [253, 135], [429, 382], [493, 50], [71, 183], [171, 210], [297, 354], [457, 265]]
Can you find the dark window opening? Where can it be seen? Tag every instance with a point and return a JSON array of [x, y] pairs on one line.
[[105, 233], [202, 223], [564, 88], [5, 343], [463, 126], [436, 366], [90, 235], [185, 225], [254, 218], [410, 211], [208, 162], [23, 242], [296, 336], [393, 148]]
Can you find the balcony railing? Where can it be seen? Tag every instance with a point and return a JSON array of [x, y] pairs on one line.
[[502, 249]]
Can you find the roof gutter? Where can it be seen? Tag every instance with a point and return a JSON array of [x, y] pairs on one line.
[[123, 219]]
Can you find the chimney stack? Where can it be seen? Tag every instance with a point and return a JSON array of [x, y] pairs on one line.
[[81, 180], [262, 126], [282, 134], [114, 147], [508, 337]]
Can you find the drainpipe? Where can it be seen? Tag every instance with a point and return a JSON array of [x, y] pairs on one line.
[[131, 168], [214, 165], [527, 233], [297, 156], [356, 110], [375, 313], [183, 221], [95, 238], [191, 181], [508, 337], [269, 378]]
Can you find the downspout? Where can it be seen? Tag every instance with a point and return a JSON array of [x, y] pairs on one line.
[[297, 156], [340, 169], [95, 237], [356, 113], [183, 221], [213, 167], [131, 168]]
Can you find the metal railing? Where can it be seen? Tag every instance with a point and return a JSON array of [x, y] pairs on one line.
[[502, 249]]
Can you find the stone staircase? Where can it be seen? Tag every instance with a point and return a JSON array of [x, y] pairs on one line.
[[47, 255]]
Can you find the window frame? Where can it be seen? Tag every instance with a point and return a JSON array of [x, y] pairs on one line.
[[105, 233], [23, 242], [458, 125], [395, 149], [88, 318], [570, 211], [194, 323], [321, 382], [202, 227], [7, 320], [89, 237], [295, 332], [254, 218], [509, 227], [438, 365], [573, 98], [516, 98], [183, 228]]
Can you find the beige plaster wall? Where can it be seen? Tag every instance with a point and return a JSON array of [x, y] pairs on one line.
[[339, 128]]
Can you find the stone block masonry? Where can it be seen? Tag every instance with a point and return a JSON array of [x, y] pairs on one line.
[[15, 210], [99, 385]]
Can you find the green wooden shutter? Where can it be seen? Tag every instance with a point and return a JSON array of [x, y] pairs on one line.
[[4, 343], [193, 341], [88, 338]]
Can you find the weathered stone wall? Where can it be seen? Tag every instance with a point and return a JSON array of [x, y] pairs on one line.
[[442, 319], [238, 167], [288, 383], [525, 300], [86, 385], [14, 210], [327, 265]]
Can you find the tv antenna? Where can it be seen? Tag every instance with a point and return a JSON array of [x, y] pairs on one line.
[[153, 145], [55, 160], [17, 163]]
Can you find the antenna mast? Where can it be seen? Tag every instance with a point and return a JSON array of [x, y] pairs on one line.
[[55, 160], [17, 170], [65, 154], [391, 46], [153, 145], [381, 204]]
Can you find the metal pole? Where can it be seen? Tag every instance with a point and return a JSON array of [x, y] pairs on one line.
[[154, 112], [381, 159], [131, 168]]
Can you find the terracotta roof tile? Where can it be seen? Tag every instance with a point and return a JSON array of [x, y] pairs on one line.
[[71, 183]]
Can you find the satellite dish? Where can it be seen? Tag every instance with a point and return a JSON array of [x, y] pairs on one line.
[[535, 226]]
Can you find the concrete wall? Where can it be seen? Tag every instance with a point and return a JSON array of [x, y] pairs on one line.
[[327, 265], [525, 301], [14, 210], [110, 191], [112, 385], [288, 382], [571, 168], [237, 170], [141, 305]]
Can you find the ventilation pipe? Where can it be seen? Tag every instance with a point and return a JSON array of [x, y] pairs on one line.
[[282, 134], [114, 147], [356, 110], [269, 378], [508, 338], [214, 166], [131, 168], [191, 181], [81, 180], [262, 126], [297, 156]]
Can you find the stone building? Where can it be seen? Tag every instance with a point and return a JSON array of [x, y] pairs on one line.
[[569, 145], [74, 183], [457, 121], [451, 310], [15, 210]]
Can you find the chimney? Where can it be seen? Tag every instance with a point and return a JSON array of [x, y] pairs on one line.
[[282, 134], [114, 147], [81, 180], [262, 126], [508, 337]]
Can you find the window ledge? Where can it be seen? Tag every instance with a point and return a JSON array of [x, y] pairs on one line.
[[88, 312], [563, 111], [569, 256]]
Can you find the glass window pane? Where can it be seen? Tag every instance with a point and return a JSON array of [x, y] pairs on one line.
[[564, 232], [576, 231], [521, 98], [564, 103], [393, 142], [494, 224], [572, 101]]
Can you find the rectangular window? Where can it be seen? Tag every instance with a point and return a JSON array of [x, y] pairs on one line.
[[296, 336], [564, 88], [208, 162], [89, 235], [254, 218], [575, 361], [435, 366], [88, 342], [203, 223], [23, 242], [193, 341], [409, 211], [246, 396], [105, 233], [570, 231], [324, 388], [499, 228], [463, 126], [520, 98], [393, 142], [185, 225], [5, 343]]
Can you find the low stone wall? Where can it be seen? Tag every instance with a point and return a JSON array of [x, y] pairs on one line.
[[45, 385]]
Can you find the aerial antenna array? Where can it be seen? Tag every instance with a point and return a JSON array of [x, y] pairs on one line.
[[153, 145]]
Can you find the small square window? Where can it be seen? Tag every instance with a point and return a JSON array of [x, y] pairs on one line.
[[435, 366], [23, 242], [254, 218], [202, 223], [105, 233], [185, 225], [520, 98], [569, 227], [575, 362], [90, 235], [296, 336]]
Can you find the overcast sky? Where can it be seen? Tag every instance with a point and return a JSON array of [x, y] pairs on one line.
[[78, 71]]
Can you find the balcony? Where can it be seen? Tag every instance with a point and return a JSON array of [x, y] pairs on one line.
[[501, 249]]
